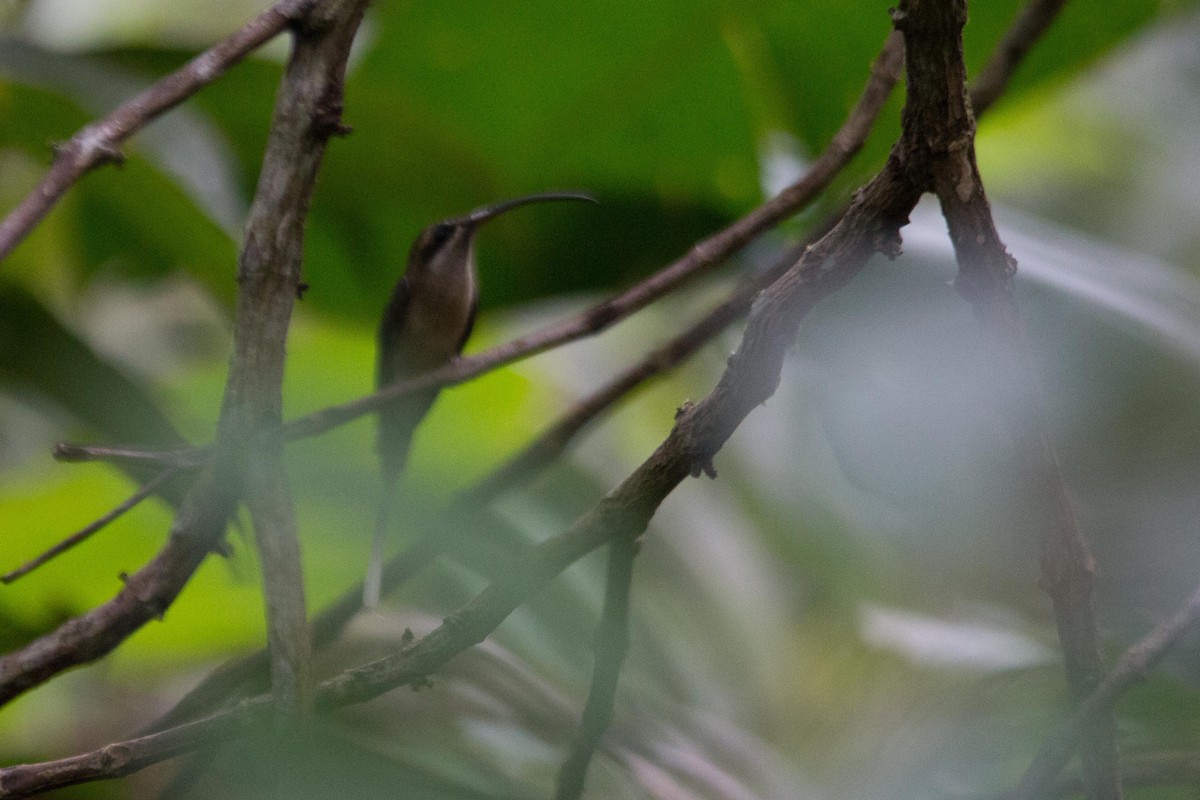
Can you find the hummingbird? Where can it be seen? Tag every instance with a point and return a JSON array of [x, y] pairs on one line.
[[425, 325]]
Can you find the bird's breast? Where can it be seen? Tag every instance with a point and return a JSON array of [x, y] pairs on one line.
[[435, 322]]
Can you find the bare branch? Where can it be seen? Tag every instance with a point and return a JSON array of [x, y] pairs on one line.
[[1031, 23], [307, 113], [985, 279], [273, 512], [74, 539], [708, 253], [551, 443], [98, 143], [547, 447], [122, 758], [885, 72], [184, 458], [197, 530], [1131, 668], [268, 282], [612, 642]]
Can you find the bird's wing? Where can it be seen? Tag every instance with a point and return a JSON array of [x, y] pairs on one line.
[[466, 334], [388, 366]]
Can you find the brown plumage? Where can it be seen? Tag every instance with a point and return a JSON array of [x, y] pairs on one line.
[[425, 324]]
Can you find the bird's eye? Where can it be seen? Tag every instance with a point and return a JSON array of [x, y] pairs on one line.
[[439, 234]]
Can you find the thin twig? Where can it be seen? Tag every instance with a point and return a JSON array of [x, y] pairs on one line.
[[98, 143], [612, 642], [1030, 25], [1142, 771], [1131, 668], [147, 489], [146, 594], [708, 253], [183, 458], [551, 443]]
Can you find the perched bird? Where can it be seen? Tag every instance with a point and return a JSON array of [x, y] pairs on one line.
[[425, 324]]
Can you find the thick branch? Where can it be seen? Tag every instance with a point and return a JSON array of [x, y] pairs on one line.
[[98, 143], [307, 113], [551, 443], [985, 278], [274, 516], [123, 758], [251, 401], [183, 458]]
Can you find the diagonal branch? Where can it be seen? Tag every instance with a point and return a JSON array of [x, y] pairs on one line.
[[97, 144], [698, 433], [183, 458], [551, 443], [870, 224], [144, 491], [1130, 668], [146, 594], [704, 255], [1033, 20]]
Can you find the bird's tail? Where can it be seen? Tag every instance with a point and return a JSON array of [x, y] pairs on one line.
[[373, 583]]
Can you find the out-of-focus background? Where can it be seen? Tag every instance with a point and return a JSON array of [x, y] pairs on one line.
[[851, 609]]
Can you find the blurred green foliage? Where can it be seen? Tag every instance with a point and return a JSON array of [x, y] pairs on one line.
[[113, 328], [660, 108]]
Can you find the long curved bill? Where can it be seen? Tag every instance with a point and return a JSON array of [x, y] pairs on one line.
[[483, 214]]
